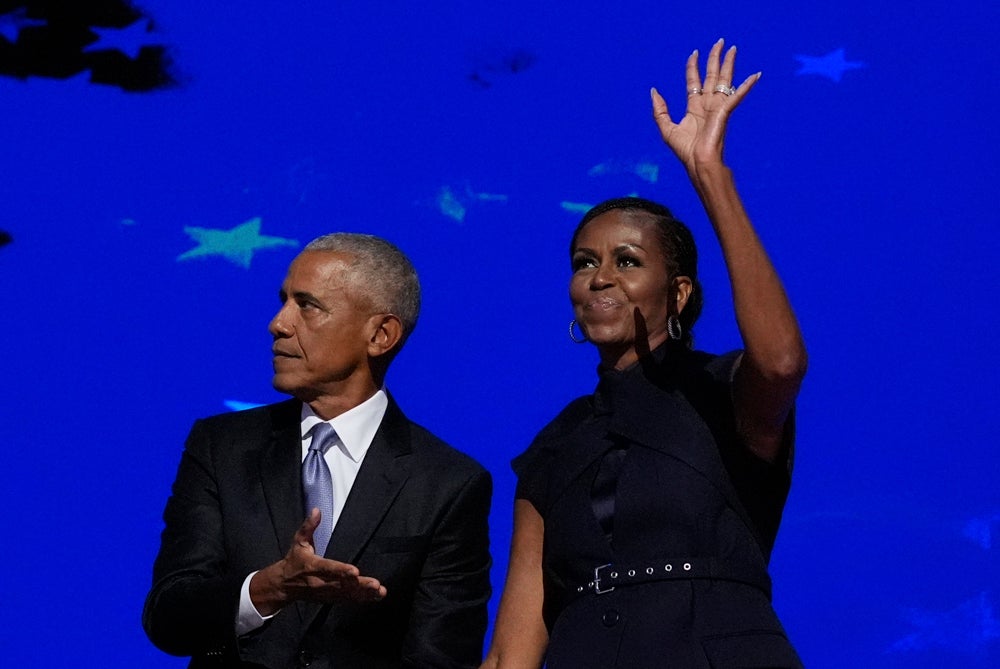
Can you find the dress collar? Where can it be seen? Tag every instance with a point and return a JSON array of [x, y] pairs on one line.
[[656, 367]]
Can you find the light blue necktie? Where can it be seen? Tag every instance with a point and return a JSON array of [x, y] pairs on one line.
[[317, 485]]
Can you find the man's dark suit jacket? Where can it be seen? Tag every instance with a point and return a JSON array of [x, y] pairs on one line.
[[416, 519]]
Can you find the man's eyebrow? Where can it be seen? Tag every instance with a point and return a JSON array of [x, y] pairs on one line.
[[298, 296], [305, 296]]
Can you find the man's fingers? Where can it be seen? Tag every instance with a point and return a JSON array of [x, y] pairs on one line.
[[304, 535], [369, 589], [332, 570], [312, 520], [377, 594]]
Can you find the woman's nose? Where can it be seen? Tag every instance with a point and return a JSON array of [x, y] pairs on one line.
[[602, 277]]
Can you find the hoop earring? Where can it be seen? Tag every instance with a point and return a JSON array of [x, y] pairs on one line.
[[572, 335], [674, 328]]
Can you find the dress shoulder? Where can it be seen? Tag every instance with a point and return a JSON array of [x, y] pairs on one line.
[[533, 466]]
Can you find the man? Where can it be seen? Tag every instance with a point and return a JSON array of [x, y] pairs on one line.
[[242, 580]]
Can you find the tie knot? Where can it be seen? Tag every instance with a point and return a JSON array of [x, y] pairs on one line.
[[323, 436]]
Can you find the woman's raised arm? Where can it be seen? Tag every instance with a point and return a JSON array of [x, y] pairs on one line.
[[774, 360]]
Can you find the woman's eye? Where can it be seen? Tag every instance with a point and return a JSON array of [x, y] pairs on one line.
[[628, 261], [582, 263]]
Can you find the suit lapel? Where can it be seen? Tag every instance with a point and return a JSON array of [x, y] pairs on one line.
[[280, 467], [381, 477], [281, 478]]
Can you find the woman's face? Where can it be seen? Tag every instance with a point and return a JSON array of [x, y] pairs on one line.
[[620, 288]]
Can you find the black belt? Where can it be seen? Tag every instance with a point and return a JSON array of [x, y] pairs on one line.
[[610, 576]]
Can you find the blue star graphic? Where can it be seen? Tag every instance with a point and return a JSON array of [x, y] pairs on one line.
[[129, 40], [12, 22], [237, 245], [972, 626], [832, 65]]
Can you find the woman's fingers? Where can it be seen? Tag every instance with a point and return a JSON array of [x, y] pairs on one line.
[[728, 65], [660, 112], [709, 103], [661, 115], [712, 66], [691, 76], [745, 87]]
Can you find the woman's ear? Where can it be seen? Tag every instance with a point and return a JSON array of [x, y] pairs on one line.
[[680, 293]]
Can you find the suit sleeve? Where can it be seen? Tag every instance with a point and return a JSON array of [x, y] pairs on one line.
[[191, 608], [448, 619]]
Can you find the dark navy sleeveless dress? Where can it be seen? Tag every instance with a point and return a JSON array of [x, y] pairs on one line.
[[694, 519]]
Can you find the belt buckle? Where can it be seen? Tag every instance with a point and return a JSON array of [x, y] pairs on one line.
[[597, 580]]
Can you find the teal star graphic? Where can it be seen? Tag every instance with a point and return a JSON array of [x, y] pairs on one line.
[[576, 207], [644, 170], [237, 405], [832, 65], [237, 245]]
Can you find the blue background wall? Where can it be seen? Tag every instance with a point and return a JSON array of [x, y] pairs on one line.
[[471, 134]]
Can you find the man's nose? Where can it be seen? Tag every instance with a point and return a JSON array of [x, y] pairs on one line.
[[278, 327]]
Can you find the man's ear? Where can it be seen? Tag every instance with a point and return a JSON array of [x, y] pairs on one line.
[[386, 333]]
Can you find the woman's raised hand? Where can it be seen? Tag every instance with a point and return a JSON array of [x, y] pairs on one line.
[[698, 138]]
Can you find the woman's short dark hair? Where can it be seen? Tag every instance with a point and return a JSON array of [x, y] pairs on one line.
[[677, 244]]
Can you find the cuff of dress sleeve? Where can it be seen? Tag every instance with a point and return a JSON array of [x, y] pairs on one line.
[[248, 618]]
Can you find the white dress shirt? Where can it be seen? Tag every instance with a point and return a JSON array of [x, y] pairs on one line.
[[355, 430]]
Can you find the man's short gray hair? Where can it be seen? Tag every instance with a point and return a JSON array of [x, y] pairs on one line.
[[383, 275]]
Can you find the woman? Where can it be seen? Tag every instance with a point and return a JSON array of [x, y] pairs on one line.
[[646, 513]]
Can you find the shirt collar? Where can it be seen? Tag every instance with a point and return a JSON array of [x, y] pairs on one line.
[[356, 427]]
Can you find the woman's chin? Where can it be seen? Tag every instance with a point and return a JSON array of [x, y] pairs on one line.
[[610, 341]]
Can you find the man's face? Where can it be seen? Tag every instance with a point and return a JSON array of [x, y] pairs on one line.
[[321, 333]]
